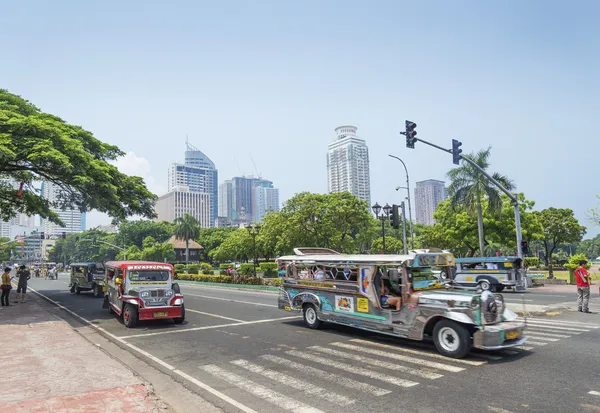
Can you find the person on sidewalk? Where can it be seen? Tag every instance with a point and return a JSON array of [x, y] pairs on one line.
[[6, 286], [24, 276], [583, 287]]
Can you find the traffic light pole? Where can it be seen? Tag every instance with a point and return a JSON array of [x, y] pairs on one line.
[[404, 229], [412, 227], [513, 198]]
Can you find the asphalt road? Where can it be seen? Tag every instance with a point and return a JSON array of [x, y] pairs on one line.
[[241, 353]]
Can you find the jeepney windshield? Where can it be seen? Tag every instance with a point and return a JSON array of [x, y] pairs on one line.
[[148, 275]]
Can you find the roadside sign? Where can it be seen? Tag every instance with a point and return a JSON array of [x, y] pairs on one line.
[[532, 275]]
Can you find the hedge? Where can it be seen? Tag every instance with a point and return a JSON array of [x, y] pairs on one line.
[[247, 269], [531, 262], [193, 268], [226, 279], [269, 269], [179, 267]]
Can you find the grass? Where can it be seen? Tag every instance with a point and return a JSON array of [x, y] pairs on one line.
[[564, 275]]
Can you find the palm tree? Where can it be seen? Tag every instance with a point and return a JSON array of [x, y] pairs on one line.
[[187, 228], [469, 187]]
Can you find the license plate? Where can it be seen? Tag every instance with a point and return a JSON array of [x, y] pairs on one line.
[[162, 314], [512, 334]]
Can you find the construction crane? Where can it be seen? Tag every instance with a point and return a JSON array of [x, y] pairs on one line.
[[255, 168]]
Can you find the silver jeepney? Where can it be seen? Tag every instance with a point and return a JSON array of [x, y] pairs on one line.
[[346, 289]]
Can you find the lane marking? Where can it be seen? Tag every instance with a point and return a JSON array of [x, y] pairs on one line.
[[230, 290], [423, 353], [498, 410], [352, 369], [214, 315], [536, 337], [204, 386], [562, 323], [336, 378], [591, 407], [594, 393], [244, 323], [551, 328], [528, 348], [516, 300], [536, 343], [262, 392], [540, 333], [378, 363], [400, 357], [294, 382], [231, 301]]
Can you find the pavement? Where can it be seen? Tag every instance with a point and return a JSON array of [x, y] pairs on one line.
[[47, 366]]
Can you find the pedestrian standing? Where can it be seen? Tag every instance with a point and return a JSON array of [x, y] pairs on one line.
[[583, 287], [6, 286], [24, 276]]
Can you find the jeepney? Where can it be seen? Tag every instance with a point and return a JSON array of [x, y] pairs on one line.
[[87, 276], [143, 290], [326, 286], [490, 273]]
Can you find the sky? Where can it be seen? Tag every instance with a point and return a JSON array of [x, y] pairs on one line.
[[271, 80]]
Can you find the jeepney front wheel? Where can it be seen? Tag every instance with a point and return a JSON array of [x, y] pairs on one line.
[[310, 317], [130, 315], [451, 339], [179, 320]]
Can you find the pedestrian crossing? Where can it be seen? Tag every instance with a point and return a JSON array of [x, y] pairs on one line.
[[342, 374], [591, 402]]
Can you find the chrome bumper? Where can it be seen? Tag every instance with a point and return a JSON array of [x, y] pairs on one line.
[[493, 337]]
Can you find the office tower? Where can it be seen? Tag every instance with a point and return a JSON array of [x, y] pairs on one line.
[[428, 194], [265, 199], [180, 201], [348, 164], [73, 219]]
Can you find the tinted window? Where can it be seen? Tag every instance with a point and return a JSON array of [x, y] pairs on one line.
[[149, 275]]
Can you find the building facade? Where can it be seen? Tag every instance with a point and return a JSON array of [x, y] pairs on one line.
[[73, 219], [348, 164], [226, 199], [428, 195], [265, 199], [181, 201], [244, 200], [198, 174]]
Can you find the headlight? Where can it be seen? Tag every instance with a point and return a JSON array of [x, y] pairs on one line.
[[169, 293], [474, 303], [145, 294]]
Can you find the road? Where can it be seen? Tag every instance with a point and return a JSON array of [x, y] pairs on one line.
[[241, 353]]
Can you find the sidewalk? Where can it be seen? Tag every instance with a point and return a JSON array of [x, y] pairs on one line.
[[49, 367]]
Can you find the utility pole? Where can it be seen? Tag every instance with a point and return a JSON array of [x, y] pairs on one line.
[[412, 227], [404, 228]]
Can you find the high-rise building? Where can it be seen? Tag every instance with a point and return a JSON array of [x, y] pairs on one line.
[[198, 174], [226, 199], [265, 199], [251, 199], [180, 201], [348, 164], [428, 195], [73, 219]]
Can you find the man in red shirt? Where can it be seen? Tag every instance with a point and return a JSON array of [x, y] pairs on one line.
[[583, 287]]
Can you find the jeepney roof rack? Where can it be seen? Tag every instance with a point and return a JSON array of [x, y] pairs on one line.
[[315, 251], [476, 260]]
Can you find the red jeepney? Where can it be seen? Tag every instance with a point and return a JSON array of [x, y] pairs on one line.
[[143, 290]]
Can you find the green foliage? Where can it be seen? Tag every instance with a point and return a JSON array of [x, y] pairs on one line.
[[247, 269], [594, 213], [225, 266], [179, 267], [134, 232], [574, 261], [392, 246], [531, 262], [269, 269], [187, 228], [211, 239], [36, 146], [193, 268], [237, 247], [5, 249], [589, 247], [205, 266], [84, 248]]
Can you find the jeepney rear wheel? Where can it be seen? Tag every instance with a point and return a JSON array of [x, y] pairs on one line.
[[310, 317], [77, 290], [179, 320], [451, 339], [484, 285], [130, 315], [499, 288]]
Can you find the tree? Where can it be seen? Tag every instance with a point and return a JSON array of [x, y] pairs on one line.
[[594, 213], [155, 251], [237, 247], [134, 232], [187, 228], [589, 247], [5, 249], [469, 188], [501, 228], [210, 239], [36, 146], [392, 246], [559, 226]]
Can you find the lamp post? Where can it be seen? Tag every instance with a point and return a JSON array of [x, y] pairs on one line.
[[253, 232], [377, 209], [123, 249], [407, 187]]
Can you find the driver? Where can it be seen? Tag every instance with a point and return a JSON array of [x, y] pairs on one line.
[[389, 300]]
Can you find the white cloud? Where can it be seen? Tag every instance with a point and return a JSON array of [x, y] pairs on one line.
[[134, 165]]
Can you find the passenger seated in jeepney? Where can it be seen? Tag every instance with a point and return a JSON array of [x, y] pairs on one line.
[[388, 300]]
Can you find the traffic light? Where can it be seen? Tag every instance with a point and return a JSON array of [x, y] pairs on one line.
[[63, 235], [411, 134], [456, 152], [525, 247], [395, 217], [42, 235]]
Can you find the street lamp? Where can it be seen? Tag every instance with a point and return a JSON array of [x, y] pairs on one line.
[[386, 214], [123, 249], [253, 232], [407, 187]]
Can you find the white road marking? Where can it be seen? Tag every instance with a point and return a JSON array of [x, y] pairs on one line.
[[408, 359], [536, 337], [361, 359], [262, 392], [214, 315], [524, 347], [185, 330], [591, 407], [498, 410], [423, 353], [594, 393], [540, 333], [552, 328], [352, 369], [536, 343], [516, 300], [229, 290], [311, 371], [294, 382], [561, 323], [198, 383], [230, 300]]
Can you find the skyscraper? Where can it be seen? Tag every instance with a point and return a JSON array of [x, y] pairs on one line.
[[181, 201], [428, 194], [198, 174], [243, 200], [73, 219], [265, 199], [226, 199], [348, 164]]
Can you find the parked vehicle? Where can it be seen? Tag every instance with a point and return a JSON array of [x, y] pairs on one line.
[[143, 290], [489, 273], [353, 288], [87, 276]]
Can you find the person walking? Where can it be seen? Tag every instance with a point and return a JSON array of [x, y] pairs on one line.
[[583, 287], [6, 286], [24, 276]]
